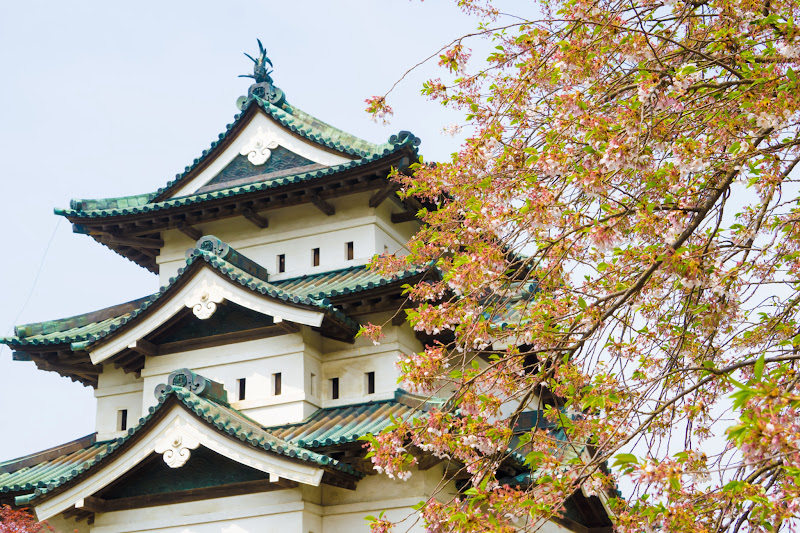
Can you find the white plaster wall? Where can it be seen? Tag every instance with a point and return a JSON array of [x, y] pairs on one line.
[[253, 513], [350, 362], [295, 231], [306, 509], [116, 390], [256, 361], [68, 525]]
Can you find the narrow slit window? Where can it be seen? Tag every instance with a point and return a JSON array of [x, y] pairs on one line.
[[349, 250], [282, 263], [369, 382], [242, 386], [315, 257], [313, 384], [276, 383], [122, 420], [334, 388]]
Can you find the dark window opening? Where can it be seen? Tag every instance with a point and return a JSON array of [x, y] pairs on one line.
[[370, 382], [349, 251], [282, 263], [242, 387], [122, 419], [276, 382], [315, 257], [334, 388]]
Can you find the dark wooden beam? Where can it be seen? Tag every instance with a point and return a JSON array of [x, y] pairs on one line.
[[255, 218], [190, 231], [579, 528], [69, 513], [71, 369], [145, 347], [138, 242], [427, 461], [406, 216], [281, 328], [323, 206], [152, 253], [339, 480], [400, 317], [378, 307], [382, 194], [182, 496], [92, 504]]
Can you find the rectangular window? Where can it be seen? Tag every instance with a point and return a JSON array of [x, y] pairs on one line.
[[349, 251], [315, 257], [282, 263], [276, 383], [369, 382], [122, 420], [334, 388], [313, 384], [242, 386]]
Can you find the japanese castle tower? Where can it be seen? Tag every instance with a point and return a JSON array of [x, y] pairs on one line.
[[232, 400]]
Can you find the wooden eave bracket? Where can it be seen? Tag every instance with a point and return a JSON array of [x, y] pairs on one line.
[[260, 221], [383, 193], [145, 347], [136, 242], [322, 205], [190, 231], [405, 216]]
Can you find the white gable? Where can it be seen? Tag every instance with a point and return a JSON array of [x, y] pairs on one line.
[[183, 428], [259, 134], [202, 293]]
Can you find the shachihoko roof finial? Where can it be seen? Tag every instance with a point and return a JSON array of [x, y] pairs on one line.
[[263, 87], [260, 72]]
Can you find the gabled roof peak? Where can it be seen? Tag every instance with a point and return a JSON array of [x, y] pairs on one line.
[[263, 87]]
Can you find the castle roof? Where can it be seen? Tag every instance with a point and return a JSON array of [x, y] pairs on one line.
[[320, 162], [68, 346]]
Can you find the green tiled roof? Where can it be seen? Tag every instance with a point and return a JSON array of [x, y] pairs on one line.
[[339, 425], [297, 121], [46, 477], [82, 336], [341, 282], [51, 473], [109, 207], [293, 119]]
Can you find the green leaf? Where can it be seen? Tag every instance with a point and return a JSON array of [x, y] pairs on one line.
[[758, 370], [625, 459]]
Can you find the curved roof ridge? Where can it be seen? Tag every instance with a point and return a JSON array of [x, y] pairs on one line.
[[61, 471], [129, 205], [295, 120], [84, 339]]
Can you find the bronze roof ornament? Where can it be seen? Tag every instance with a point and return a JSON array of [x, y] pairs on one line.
[[263, 87]]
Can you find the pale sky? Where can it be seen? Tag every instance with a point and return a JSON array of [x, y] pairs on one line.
[[104, 99]]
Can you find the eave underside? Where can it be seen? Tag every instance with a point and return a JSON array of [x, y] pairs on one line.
[[77, 365], [138, 236]]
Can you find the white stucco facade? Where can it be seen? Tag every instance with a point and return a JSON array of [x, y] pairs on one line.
[[284, 358]]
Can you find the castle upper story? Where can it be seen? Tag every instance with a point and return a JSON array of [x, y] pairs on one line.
[[261, 247]]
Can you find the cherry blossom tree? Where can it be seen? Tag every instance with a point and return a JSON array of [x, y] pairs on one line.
[[617, 243], [20, 521]]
